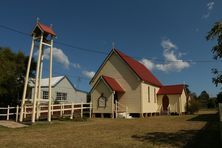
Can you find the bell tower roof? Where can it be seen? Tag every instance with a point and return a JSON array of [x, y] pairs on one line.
[[44, 29]]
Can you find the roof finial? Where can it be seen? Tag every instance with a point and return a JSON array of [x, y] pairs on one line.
[[113, 44], [51, 25], [37, 19]]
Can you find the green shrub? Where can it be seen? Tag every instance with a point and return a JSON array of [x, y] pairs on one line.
[[211, 103], [193, 106]]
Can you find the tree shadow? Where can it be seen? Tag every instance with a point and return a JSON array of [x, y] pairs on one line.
[[206, 117], [208, 136], [177, 139]]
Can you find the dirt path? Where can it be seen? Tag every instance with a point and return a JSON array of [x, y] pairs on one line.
[[11, 124]]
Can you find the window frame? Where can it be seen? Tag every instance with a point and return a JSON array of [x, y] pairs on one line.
[[61, 96], [45, 94], [148, 94], [155, 96]]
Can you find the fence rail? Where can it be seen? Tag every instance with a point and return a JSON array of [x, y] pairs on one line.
[[9, 113], [63, 109]]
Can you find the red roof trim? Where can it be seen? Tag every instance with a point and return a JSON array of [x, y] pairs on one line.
[[114, 85], [171, 89], [142, 72], [46, 28]]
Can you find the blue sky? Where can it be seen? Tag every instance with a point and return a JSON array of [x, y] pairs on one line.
[[155, 32]]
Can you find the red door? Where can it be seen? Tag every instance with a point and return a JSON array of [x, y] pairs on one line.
[[165, 103]]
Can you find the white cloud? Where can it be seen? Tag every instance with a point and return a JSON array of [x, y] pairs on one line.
[[210, 6], [148, 63], [58, 55], [76, 65], [167, 44], [177, 66], [88, 74], [205, 16], [172, 62]]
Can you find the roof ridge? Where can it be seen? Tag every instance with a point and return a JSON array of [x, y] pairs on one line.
[[54, 77], [133, 63], [46, 28]]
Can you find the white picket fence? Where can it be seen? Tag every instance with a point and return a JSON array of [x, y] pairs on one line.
[[8, 113], [54, 108]]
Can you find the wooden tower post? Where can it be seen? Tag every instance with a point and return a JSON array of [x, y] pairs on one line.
[[43, 36]]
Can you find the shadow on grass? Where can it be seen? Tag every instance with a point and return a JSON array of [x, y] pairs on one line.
[[177, 139], [206, 117], [208, 136]]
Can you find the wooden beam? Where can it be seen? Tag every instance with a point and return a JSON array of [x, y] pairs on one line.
[[36, 80], [26, 80], [50, 83]]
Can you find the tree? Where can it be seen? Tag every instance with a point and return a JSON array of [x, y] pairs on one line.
[[219, 98], [193, 106], [12, 74], [204, 95], [216, 33], [211, 103], [203, 99], [193, 95]]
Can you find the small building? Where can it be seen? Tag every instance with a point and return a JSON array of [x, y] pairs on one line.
[[63, 91], [122, 84]]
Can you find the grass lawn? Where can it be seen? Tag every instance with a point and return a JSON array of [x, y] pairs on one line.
[[160, 131]]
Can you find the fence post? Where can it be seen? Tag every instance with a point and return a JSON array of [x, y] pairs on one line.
[[63, 107], [25, 111], [52, 109], [60, 110], [71, 116], [116, 108], [8, 113], [81, 109], [90, 110], [38, 111], [17, 112]]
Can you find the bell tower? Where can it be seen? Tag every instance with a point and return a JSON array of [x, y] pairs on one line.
[[42, 37]]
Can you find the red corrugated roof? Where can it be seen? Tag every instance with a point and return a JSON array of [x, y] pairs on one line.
[[171, 89], [46, 28], [114, 85], [142, 72]]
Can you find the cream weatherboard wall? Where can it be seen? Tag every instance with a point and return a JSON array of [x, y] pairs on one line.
[[149, 98], [102, 88], [183, 100], [173, 102], [177, 102], [116, 68]]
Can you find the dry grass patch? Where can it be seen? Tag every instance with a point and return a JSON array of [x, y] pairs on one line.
[[167, 131]]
